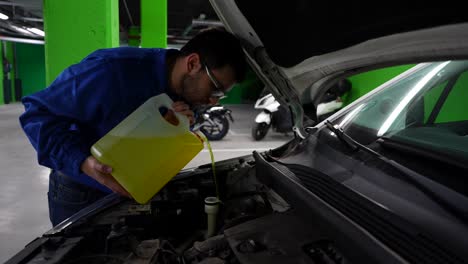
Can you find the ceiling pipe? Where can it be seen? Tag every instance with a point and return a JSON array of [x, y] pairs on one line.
[[6, 3], [23, 40], [128, 12], [31, 19], [202, 22]]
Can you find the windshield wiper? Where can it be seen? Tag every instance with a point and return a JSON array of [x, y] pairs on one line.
[[353, 144], [342, 136], [440, 194]]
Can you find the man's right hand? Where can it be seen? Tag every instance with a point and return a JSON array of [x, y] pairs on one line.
[[102, 174]]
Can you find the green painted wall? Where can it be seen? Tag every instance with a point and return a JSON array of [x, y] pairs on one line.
[[134, 36], [153, 23], [365, 82], [245, 92], [454, 108], [234, 96], [31, 67], [431, 98], [248, 91], [74, 29]]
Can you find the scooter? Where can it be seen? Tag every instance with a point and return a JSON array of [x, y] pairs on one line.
[[213, 121], [272, 115], [279, 118]]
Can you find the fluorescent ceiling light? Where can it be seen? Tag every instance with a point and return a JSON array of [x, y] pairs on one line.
[[20, 29], [37, 31], [3, 16]]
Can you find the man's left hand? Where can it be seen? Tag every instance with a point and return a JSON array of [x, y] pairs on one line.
[[183, 108]]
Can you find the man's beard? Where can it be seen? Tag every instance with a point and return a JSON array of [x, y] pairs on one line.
[[188, 91], [184, 83]]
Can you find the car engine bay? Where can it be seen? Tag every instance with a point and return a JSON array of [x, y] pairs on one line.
[[258, 209], [251, 224], [261, 208]]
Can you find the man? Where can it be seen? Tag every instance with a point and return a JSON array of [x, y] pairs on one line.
[[88, 99]]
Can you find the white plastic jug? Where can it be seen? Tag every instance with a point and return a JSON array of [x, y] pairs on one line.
[[145, 151]]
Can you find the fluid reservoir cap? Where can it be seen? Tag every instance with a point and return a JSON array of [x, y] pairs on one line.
[[211, 201]]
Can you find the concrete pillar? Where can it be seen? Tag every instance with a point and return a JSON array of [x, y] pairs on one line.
[[10, 56], [153, 23], [73, 29], [2, 101]]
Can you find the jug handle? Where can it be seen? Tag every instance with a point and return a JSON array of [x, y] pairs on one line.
[[163, 100]]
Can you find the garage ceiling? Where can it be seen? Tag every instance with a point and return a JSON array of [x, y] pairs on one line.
[[25, 15], [32, 6], [24, 22]]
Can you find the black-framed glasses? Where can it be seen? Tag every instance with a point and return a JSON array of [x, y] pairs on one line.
[[218, 91]]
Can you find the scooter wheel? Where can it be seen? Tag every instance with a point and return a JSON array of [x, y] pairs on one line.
[[214, 132], [259, 130]]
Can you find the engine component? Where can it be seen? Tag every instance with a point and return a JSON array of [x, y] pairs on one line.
[[212, 261], [118, 237], [216, 246], [250, 246], [324, 251], [154, 251], [281, 238], [139, 208], [211, 209]]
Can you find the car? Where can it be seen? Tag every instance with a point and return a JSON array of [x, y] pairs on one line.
[[383, 180]]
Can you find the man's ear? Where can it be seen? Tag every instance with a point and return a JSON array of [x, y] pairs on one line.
[[193, 63]]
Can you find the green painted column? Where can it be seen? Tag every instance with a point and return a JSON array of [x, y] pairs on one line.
[[153, 23], [73, 29], [10, 56], [2, 101]]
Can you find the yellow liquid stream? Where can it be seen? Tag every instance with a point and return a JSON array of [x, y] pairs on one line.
[[213, 167], [144, 165]]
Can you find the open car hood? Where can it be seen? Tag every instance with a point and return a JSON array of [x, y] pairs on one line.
[[298, 45]]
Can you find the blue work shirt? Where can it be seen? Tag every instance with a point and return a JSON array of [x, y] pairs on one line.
[[86, 101]]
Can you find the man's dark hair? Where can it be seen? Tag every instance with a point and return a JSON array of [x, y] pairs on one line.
[[218, 48]]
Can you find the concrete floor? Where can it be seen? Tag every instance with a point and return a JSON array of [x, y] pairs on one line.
[[24, 183]]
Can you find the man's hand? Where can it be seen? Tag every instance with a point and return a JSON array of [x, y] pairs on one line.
[[182, 108], [102, 174]]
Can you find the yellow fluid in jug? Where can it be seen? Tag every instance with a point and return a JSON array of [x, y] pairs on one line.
[[144, 165]]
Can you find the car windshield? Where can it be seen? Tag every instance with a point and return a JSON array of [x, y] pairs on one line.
[[426, 109]]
